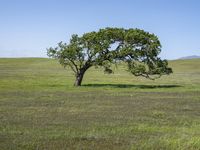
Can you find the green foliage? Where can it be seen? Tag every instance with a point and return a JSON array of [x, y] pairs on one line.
[[139, 49]]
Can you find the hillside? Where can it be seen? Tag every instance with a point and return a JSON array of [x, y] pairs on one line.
[[40, 108], [190, 57]]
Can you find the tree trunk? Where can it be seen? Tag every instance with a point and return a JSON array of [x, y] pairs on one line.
[[79, 78], [80, 74]]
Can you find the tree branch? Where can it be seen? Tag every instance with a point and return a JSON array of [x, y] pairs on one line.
[[76, 67]]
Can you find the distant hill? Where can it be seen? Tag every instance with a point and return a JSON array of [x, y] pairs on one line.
[[190, 57]]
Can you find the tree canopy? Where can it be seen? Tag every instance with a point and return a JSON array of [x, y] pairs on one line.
[[137, 48]]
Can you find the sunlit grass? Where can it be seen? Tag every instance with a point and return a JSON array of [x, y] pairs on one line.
[[40, 108]]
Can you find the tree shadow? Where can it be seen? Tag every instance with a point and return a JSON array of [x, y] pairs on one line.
[[141, 86]]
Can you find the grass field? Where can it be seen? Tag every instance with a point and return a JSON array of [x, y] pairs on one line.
[[41, 110]]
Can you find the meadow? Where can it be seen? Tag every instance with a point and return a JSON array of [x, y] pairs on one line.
[[41, 110]]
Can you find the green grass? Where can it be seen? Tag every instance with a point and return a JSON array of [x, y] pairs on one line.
[[40, 109]]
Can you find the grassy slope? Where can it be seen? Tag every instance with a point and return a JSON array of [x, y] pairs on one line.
[[40, 109]]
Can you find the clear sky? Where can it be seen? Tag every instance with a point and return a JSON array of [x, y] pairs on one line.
[[28, 27]]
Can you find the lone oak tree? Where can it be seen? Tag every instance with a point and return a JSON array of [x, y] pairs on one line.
[[137, 48]]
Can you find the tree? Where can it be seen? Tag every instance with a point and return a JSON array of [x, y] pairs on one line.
[[137, 48]]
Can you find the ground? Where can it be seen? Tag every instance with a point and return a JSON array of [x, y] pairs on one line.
[[40, 109]]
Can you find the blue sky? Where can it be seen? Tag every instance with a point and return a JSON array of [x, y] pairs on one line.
[[28, 27]]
